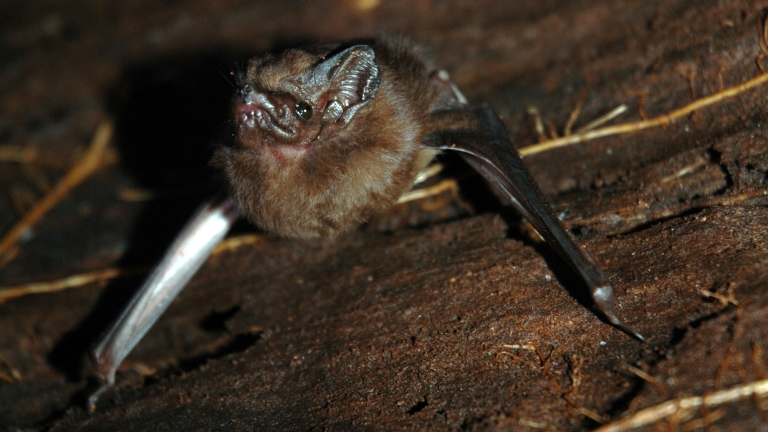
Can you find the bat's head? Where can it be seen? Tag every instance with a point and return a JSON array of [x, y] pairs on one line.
[[324, 139], [296, 100]]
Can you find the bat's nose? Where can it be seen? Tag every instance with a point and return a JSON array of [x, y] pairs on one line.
[[249, 96], [245, 113], [251, 106]]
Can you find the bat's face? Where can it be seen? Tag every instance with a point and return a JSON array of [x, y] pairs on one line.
[[322, 144], [290, 103]]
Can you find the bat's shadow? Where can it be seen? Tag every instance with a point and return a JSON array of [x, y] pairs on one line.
[[568, 278], [169, 115]]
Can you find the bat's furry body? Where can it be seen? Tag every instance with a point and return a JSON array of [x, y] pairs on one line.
[[331, 177]]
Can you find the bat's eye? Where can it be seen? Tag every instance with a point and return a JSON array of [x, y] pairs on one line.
[[304, 110]]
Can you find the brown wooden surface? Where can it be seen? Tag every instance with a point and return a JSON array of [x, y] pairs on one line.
[[399, 329]]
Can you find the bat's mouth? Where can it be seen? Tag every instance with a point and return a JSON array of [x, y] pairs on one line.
[[255, 109]]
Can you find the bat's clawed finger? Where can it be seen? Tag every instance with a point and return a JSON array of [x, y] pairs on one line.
[[605, 299]]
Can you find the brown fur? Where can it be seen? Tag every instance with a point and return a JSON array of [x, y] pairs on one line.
[[350, 172]]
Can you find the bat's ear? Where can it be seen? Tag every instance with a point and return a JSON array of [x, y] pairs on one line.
[[352, 77]]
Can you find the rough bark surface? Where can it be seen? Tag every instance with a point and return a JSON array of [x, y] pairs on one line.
[[402, 324]]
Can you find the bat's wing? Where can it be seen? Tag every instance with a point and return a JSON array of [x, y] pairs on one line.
[[479, 136], [186, 255]]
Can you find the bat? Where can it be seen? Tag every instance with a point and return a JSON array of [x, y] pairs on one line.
[[326, 137]]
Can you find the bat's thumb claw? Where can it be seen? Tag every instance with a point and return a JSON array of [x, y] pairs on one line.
[[103, 362], [604, 299], [105, 367], [613, 319]]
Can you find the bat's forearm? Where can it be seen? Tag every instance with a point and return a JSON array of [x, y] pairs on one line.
[[182, 260], [481, 139]]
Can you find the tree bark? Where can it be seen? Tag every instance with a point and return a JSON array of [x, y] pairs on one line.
[[432, 316]]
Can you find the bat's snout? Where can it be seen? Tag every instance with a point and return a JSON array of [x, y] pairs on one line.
[[257, 110]]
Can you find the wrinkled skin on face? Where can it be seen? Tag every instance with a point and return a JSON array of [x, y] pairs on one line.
[[328, 136]]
